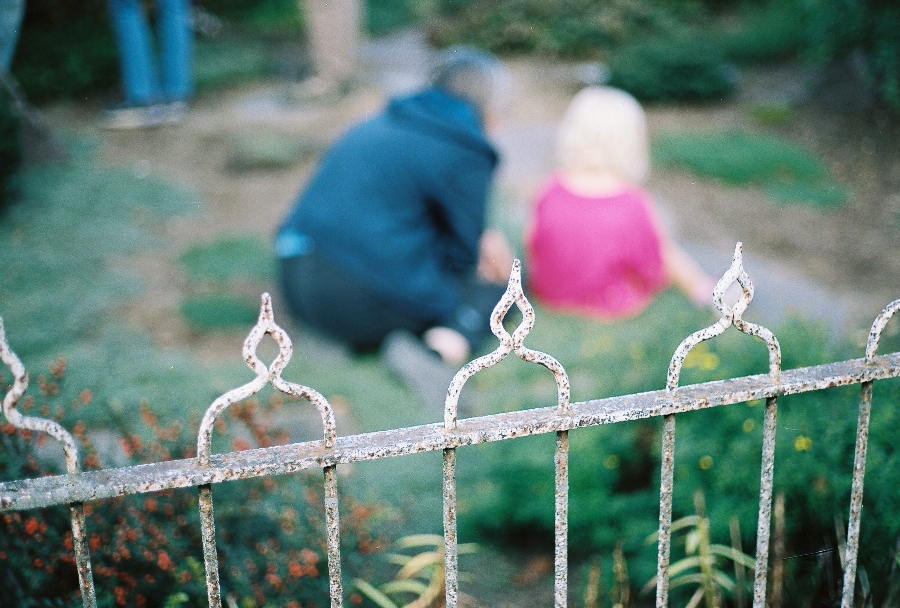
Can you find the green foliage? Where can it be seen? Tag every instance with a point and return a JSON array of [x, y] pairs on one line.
[[704, 561], [420, 582], [835, 28], [10, 147], [787, 171], [65, 50], [229, 258], [222, 266], [506, 490], [73, 221], [763, 32], [212, 312], [681, 68], [146, 549], [227, 61], [557, 28], [382, 16]]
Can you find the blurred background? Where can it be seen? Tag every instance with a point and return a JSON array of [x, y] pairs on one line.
[[131, 264]]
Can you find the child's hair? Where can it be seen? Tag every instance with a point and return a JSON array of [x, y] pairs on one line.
[[476, 76], [604, 129]]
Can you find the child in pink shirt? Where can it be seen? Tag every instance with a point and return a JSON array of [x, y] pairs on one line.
[[595, 245]]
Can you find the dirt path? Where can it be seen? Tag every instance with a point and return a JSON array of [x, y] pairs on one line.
[[840, 265]]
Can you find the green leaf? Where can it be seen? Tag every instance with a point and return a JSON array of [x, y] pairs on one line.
[[420, 540], [374, 594], [405, 586], [419, 562], [734, 555]]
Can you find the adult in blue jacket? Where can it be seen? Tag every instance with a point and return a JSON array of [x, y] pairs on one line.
[[389, 234]]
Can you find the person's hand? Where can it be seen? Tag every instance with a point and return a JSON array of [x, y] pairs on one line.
[[495, 258]]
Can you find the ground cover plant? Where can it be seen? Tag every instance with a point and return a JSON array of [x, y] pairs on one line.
[[111, 370], [786, 171]]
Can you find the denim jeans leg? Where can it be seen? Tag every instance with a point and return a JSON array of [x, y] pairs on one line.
[[176, 42], [11, 13], [136, 58]]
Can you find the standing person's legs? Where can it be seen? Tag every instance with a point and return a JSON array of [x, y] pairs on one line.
[[11, 14], [176, 42], [132, 33]]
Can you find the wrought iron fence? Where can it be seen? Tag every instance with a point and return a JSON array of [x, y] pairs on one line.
[[77, 487]]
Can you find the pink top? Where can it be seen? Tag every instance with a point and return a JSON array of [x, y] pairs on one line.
[[599, 256]]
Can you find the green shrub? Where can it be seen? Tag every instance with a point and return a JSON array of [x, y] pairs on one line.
[[556, 28], [785, 170], [65, 50], [767, 32], [506, 490], [146, 548], [683, 68], [382, 16], [227, 61], [835, 28], [10, 147]]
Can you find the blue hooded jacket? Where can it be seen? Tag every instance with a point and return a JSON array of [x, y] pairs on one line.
[[399, 201]]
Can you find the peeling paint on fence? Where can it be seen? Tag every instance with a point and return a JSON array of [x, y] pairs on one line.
[[77, 487]]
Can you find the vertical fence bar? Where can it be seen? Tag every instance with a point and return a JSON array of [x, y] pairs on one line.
[[82, 556], [333, 529], [208, 534], [451, 565], [70, 450], [561, 560], [856, 494], [666, 485], [763, 525]]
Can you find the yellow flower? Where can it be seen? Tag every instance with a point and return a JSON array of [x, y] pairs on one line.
[[705, 462], [802, 444]]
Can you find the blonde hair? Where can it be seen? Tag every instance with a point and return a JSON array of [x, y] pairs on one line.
[[604, 129]]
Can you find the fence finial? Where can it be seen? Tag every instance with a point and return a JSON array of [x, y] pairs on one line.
[[264, 375], [508, 343], [877, 326], [731, 315], [31, 423]]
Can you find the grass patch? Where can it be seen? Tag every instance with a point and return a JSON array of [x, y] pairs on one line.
[[218, 312], [788, 172], [223, 62], [228, 259], [259, 151]]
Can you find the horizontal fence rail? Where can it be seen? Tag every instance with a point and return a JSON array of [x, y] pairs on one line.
[[78, 487]]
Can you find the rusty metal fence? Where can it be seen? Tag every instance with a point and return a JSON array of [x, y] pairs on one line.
[[77, 487]]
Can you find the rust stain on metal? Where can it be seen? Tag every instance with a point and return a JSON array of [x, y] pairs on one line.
[[208, 537], [764, 519], [333, 537], [77, 487], [561, 558], [859, 459], [286, 459], [264, 375], [664, 538], [731, 315], [856, 494], [508, 343], [451, 566], [55, 430]]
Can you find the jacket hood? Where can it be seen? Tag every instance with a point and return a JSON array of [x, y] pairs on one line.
[[436, 112]]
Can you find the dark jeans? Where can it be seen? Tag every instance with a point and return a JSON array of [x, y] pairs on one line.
[[328, 298]]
